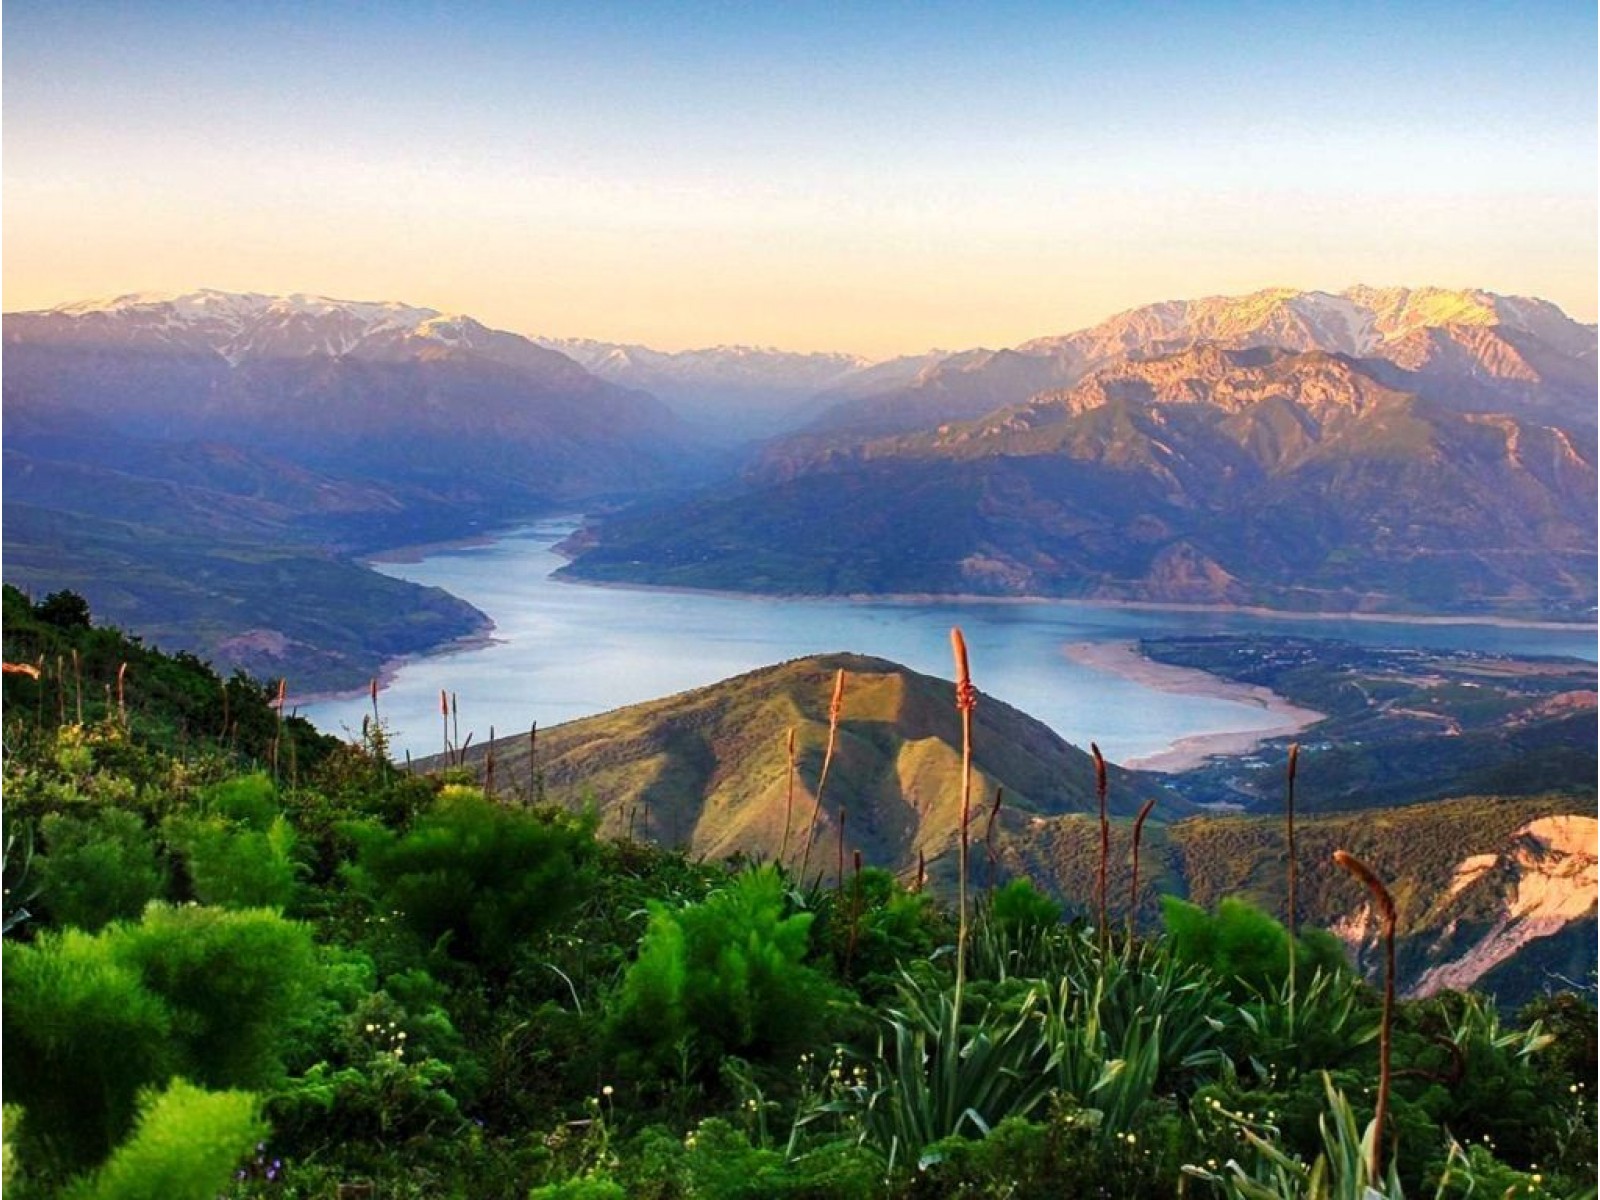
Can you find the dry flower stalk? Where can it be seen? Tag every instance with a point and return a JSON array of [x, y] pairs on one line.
[[1133, 887], [788, 805], [966, 702], [1294, 762], [988, 832], [835, 710], [1385, 905], [1105, 837]]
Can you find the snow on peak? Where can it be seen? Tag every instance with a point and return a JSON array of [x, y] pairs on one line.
[[244, 325]]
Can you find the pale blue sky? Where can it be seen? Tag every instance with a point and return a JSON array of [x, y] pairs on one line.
[[874, 177]]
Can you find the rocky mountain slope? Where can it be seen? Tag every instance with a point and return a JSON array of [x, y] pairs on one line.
[[379, 392], [1291, 479], [1500, 344], [1492, 893]]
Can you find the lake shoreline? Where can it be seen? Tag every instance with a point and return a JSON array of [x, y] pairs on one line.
[[476, 640], [1122, 658], [559, 653], [1154, 606], [401, 555]]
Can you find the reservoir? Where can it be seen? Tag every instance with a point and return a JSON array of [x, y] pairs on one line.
[[563, 650]]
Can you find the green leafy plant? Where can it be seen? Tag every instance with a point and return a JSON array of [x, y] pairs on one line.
[[234, 866], [185, 1147], [934, 1077], [1341, 1172], [232, 980], [101, 867], [82, 1036], [726, 975], [477, 878]]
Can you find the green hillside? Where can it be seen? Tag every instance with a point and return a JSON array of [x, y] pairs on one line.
[[708, 770]]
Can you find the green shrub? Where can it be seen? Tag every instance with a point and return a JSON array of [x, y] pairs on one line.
[[10, 1116], [717, 1162], [873, 926], [233, 982], [1060, 1158], [237, 867], [723, 976], [1242, 945], [82, 1036], [586, 1188], [477, 877], [391, 1067], [247, 800], [185, 1147], [99, 868], [1019, 907]]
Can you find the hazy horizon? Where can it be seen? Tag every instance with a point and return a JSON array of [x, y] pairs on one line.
[[879, 181]]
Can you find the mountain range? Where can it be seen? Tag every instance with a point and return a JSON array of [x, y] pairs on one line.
[[1506, 344], [204, 467], [740, 393], [1292, 450], [201, 464]]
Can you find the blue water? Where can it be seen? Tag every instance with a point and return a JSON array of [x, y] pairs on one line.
[[566, 650]]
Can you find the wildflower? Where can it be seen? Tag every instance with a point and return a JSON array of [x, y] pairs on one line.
[[607, 1090]]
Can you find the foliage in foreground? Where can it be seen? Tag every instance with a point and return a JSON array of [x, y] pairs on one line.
[[422, 990]]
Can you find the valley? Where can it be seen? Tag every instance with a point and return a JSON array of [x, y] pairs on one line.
[[1384, 451], [716, 601], [1258, 488]]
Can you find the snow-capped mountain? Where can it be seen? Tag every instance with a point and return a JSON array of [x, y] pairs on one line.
[[156, 442], [250, 327]]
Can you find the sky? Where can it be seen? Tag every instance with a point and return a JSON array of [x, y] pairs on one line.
[[878, 178]]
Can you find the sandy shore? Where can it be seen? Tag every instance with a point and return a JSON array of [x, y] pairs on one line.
[[1124, 659]]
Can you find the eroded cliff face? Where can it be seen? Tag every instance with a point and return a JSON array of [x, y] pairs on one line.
[[1544, 880]]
